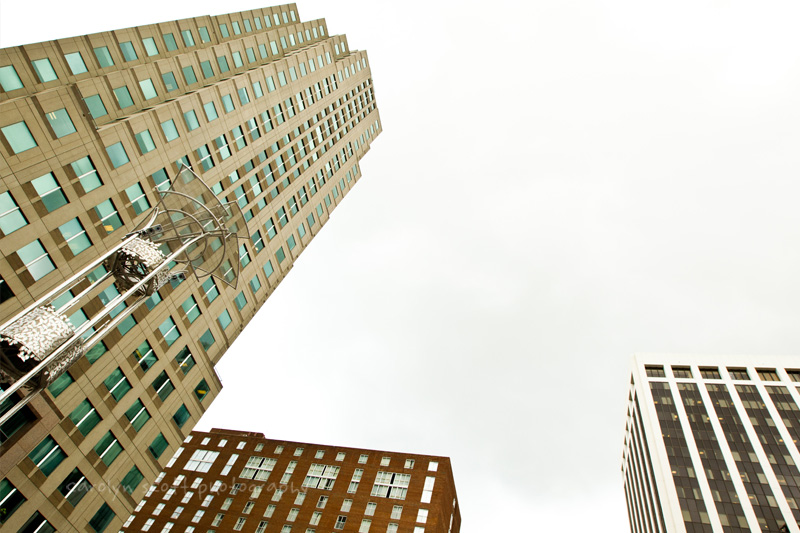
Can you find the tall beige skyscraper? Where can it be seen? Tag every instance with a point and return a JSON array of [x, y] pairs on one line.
[[271, 112]]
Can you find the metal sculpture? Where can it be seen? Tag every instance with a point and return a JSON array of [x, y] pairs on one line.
[[189, 231]]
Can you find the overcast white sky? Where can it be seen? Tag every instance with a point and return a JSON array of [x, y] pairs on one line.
[[559, 185]]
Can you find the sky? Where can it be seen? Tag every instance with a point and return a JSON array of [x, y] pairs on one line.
[[559, 185]]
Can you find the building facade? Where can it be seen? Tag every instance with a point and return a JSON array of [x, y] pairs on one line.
[[238, 481], [271, 112], [711, 445]]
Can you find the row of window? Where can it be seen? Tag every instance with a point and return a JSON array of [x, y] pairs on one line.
[[739, 374], [43, 68]]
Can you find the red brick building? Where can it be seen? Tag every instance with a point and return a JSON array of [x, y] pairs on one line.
[[229, 480]]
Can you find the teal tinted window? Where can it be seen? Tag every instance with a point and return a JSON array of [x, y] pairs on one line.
[[169, 40], [96, 107], [223, 29], [60, 384], [190, 117], [108, 448], [9, 79], [257, 21], [11, 217], [137, 415], [95, 352], [60, 122], [244, 255], [210, 289], [170, 130], [128, 52], [237, 59], [11, 498], [204, 37], [185, 360], [102, 518], [270, 84], [75, 62], [189, 75], [161, 180], [19, 137], [257, 90], [207, 340], [169, 330], [74, 487], [301, 230], [117, 384], [181, 416], [85, 417], [211, 111], [290, 242], [222, 61], [123, 96], [169, 81], [188, 38], [227, 103], [145, 356], [158, 446], [251, 55], [163, 385], [243, 97], [282, 78], [36, 260], [280, 255], [108, 215], [103, 57], [145, 141], [208, 70], [75, 236], [87, 174], [240, 301], [137, 199], [311, 220], [268, 270], [201, 390], [44, 70], [47, 455], [148, 89], [247, 25], [255, 284], [236, 29], [191, 309], [150, 46], [262, 51], [117, 154]]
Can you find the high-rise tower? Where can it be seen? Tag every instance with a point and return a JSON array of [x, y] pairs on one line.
[[238, 481], [271, 112], [711, 445]]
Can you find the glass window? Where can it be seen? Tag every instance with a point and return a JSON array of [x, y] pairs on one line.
[[145, 141], [181, 416], [108, 215], [36, 259], [207, 340], [137, 414], [85, 417], [19, 137], [137, 198], [240, 300], [74, 487], [170, 130], [131, 480], [207, 69], [108, 448], [117, 154], [201, 390], [148, 89], [237, 59], [251, 55], [60, 122], [191, 309], [47, 455], [128, 52], [75, 62], [169, 40], [102, 518], [211, 111], [96, 107], [75, 236], [222, 61], [123, 96], [223, 29], [9, 79], [169, 330], [117, 384], [189, 75], [158, 446], [190, 117], [87, 174], [169, 81], [185, 360], [150, 46], [59, 385], [11, 217], [224, 319], [103, 57], [255, 284], [163, 385], [227, 103], [204, 36], [44, 70], [188, 38], [145, 356]]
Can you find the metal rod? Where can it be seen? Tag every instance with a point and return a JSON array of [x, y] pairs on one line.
[[85, 327], [15, 408], [66, 307]]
